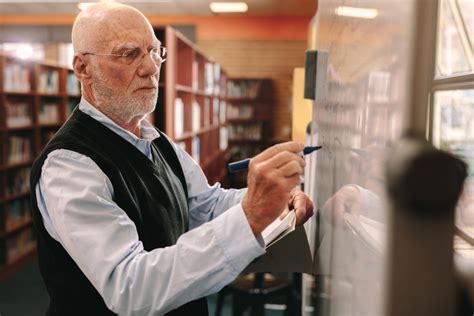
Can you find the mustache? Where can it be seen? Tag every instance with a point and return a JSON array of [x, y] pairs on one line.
[[152, 82]]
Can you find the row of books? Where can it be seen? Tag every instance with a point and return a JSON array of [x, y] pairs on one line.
[[16, 212], [17, 181], [17, 114], [18, 245], [16, 78], [245, 132], [199, 117], [243, 89], [72, 85], [48, 81], [244, 151], [48, 113], [19, 149], [211, 76], [195, 149], [196, 144], [242, 111]]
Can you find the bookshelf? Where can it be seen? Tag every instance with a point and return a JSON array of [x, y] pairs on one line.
[[192, 103], [35, 99], [248, 118]]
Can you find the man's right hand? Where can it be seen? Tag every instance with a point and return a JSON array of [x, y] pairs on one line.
[[272, 175]]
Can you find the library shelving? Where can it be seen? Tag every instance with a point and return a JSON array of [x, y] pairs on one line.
[[35, 99], [192, 103], [249, 102]]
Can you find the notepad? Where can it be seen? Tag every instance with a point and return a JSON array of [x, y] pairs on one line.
[[278, 229]]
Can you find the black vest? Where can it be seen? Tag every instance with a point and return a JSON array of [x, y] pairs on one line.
[[153, 194]]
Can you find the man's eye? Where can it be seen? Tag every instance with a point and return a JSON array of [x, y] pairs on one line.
[[130, 54]]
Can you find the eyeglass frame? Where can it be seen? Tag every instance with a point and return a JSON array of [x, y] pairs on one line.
[[165, 52]]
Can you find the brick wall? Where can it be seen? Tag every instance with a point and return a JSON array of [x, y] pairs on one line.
[[262, 59]]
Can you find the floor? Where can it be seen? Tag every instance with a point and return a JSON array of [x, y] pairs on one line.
[[24, 294]]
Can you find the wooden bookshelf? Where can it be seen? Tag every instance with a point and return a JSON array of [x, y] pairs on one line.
[[36, 98], [34, 101], [191, 105], [249, 108]]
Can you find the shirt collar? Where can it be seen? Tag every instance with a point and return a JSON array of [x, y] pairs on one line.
[[148, 132]]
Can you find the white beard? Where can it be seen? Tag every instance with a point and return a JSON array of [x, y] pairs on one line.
[[120, 104]]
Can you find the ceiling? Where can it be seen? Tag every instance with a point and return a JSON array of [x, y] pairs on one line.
[[160, 7]]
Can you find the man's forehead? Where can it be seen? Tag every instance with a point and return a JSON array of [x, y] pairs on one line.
[[117, 44], [135, 37], [123, 24]]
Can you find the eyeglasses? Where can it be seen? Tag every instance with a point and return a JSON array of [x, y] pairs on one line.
[[134, 56]]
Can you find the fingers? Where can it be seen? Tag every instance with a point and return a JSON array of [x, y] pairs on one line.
[[302, 205], [272, 175], [285, 157], [292, 147], [284, 213], [287, 163]]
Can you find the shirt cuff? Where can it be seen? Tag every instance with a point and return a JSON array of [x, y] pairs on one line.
[[234, 235]]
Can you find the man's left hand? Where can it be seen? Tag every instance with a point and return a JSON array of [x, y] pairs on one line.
[[302, 205]]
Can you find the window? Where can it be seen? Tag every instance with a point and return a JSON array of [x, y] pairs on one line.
[[453, 130], [455, 38], [452, 99]]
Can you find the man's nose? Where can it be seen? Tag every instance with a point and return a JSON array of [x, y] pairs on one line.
[[148, 67]]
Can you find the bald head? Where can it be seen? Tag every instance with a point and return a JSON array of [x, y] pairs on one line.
[[98, 24]]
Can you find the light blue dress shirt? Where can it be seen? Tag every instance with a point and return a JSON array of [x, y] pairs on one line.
[[76, 201]]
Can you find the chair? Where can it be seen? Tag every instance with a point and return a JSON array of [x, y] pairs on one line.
[[254, 290]]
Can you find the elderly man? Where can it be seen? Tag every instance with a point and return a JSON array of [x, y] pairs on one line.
[[127, 223]]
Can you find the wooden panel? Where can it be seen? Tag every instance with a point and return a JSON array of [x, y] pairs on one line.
[[208, 27], [262, 59], [301, 108]]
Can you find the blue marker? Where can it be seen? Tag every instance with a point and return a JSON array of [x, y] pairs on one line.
[[244, 164]]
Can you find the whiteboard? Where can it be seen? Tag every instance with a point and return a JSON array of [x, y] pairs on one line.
[[366, 109]]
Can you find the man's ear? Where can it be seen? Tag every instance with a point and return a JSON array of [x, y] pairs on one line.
[[81, 67]]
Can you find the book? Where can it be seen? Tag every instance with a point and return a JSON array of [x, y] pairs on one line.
[[48, 113], [196, 148], [222, 112], [279, 228], [223, 139], [215, 111], [19, 149], [289, 254], [207, 113], [196, 116], [217, 79], [17, 114], [48, 82], [16, 77], [195, 76], [178, 117], [72, 85], [208, 78], [17, 181], [243, 89]]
